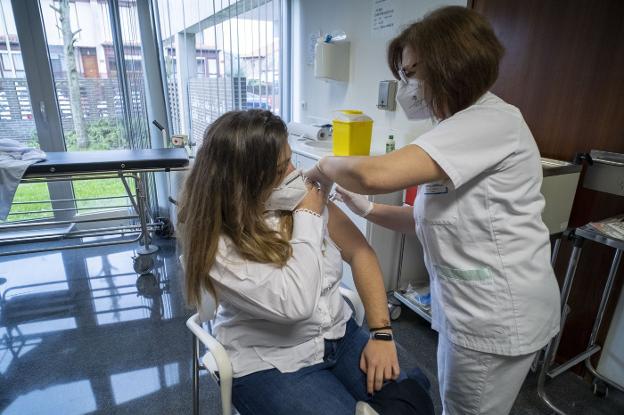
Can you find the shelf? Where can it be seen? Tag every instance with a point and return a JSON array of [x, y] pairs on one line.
[[414, 306], [588, 232]]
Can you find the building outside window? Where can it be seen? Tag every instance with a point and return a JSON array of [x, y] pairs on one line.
[[237, 50]]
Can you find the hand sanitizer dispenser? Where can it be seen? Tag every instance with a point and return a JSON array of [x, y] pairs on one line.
[[386, 100]]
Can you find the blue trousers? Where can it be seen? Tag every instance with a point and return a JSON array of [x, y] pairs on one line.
[[331, 387]]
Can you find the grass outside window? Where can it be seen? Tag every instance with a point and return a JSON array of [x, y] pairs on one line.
[[83, 189]]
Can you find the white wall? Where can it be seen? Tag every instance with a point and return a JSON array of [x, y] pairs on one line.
[[367, 67], [367, 63]]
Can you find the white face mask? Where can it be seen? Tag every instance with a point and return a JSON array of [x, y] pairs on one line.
[[289, 193], [412, 99]]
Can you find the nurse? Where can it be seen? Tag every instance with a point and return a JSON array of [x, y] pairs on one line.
[[495, 299]]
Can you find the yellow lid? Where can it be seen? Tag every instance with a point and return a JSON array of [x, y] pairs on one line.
[[351, 116]]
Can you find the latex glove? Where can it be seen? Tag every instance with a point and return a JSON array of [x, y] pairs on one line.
[[316, 175], [359, 204]]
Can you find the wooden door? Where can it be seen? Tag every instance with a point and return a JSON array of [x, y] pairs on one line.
[[90, 66], [563, 67]]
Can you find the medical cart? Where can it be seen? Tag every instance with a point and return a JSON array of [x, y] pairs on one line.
[[605, 173]]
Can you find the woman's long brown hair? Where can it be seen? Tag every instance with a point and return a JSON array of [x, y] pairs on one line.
[[234, 172]]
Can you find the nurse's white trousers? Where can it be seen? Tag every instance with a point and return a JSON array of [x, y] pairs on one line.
[[473, 382]]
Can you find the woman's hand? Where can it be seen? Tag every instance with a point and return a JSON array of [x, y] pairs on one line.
[[315, 200], [359, 204], [380, 363]]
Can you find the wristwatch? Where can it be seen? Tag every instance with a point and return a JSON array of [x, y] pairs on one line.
[[381, 336]]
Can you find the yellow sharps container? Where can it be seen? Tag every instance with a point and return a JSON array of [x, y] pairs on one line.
[[352, 133]]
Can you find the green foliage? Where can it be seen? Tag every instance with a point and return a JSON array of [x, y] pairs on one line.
[[33, 141], [103, 134]]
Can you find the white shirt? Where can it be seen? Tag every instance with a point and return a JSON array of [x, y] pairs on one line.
[[278, 317], [486, 248]]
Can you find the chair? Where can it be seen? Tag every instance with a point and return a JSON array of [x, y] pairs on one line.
[[216, 360]]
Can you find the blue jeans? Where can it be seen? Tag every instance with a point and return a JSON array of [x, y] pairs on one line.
[[331, 387]]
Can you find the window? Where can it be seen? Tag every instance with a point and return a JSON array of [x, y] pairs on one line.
[[17, 61], [201, 67], [7, 65], [16, 118], [58, 67], [12, 65], [212, 68], [93, 109], [236, 46]]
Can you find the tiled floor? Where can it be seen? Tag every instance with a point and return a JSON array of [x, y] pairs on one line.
[[79, 333]]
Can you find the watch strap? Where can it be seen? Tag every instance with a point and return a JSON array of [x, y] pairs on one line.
[[380, 328], [381, 336]]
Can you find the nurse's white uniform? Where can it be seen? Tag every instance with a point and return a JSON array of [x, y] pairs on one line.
[[495, 299]]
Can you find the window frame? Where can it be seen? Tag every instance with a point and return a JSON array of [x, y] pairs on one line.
[[37, 61]]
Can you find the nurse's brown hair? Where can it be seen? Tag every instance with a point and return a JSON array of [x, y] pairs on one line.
[[457, 53]]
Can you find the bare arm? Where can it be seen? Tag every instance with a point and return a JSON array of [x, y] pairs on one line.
[[367, 276], [408, 166], [379, 358], [396, 218]]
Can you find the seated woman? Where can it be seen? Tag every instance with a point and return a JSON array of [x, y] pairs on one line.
[[270, 247]]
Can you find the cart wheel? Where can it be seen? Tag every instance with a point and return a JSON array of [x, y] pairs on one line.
[[166, 230], [143, 264], [148, 286], [600, 388], [392, 299], [395, 311]]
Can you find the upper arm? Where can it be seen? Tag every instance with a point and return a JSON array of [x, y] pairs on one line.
[[400, 169], [345, 234]]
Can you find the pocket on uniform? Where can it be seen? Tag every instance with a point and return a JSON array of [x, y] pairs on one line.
[[469, 300], [436, 204]]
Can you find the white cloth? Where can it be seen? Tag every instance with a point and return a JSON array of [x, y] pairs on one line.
[[278, 317], [477, 383], [14, 160], [486, 248]]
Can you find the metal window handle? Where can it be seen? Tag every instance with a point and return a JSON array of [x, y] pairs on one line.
[[42, 111]]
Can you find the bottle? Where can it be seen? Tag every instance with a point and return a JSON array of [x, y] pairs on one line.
[[390, 145]]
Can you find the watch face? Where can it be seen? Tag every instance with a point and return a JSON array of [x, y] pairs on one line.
[[382, 336]]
